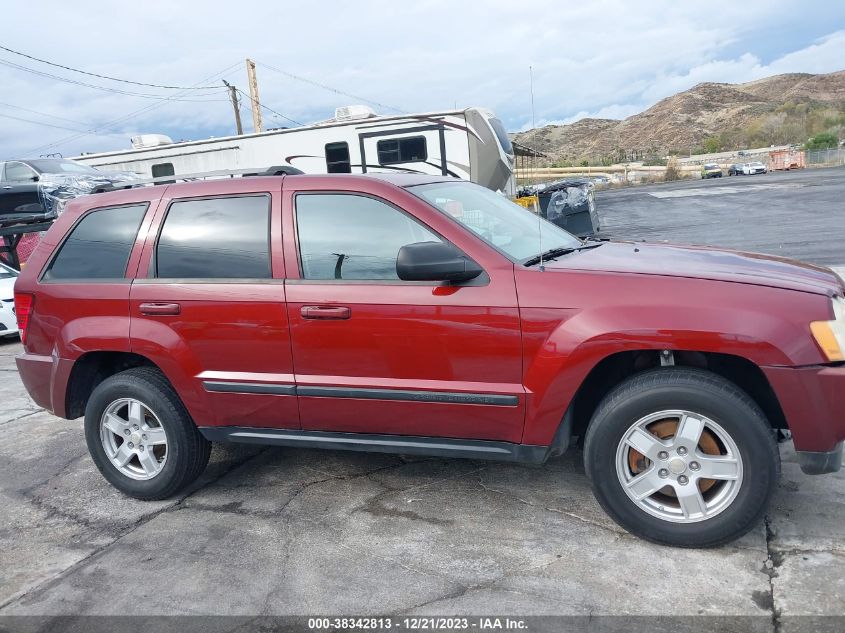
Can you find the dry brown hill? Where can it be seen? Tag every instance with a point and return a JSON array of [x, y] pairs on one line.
[[732, 112]]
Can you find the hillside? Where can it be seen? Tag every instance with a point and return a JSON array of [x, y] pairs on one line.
[[780, 109]]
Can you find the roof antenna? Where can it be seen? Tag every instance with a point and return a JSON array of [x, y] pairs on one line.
[[533, 150]]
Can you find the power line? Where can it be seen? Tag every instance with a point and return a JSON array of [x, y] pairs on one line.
[[52, 116], [90, 74], [131, 115], [58, 127], [269, 109], [94, 86], [330, 88]]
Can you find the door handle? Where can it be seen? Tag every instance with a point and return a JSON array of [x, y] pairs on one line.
[[160, 309], [7, 187], [325, 312]]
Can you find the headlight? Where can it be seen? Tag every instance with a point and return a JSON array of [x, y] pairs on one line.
[[830, 335]]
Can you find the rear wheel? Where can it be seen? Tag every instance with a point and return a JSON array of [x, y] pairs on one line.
[[682, 457], [141, 437]]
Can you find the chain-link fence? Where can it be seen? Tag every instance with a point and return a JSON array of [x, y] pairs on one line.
[[826, 157]]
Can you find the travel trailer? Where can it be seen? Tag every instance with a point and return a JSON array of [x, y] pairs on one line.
[[471, 144]]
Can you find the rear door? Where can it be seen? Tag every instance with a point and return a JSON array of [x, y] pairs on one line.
[[208, 303]]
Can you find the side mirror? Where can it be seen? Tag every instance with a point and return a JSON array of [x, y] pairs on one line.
[[435, 261], [35, 178]]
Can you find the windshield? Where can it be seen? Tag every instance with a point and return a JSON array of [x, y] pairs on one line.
[[7, 273], [498, 221], [59, 166]]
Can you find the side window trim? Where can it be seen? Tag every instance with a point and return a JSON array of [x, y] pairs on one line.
[[390, 282], [153, 266], [42, 276]]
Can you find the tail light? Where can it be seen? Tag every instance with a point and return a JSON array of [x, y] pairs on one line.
[[23, 308]]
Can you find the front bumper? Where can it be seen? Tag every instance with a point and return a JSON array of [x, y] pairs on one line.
[[820, 463], [812, 400]]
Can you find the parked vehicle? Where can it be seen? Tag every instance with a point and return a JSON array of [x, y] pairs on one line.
[[33, 191], [429, 315], [711, 170], [470, 143], [571, 204], [786, 159], [8, 322], [754, 168], [736, 170], [20, 201]]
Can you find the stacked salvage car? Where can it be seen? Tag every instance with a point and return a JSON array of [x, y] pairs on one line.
[[33, 193]]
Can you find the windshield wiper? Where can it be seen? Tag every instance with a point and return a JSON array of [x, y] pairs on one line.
[[554, 253]]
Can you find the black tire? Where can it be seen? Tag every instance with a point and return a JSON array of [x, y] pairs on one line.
[[704, 393], [187, 450]]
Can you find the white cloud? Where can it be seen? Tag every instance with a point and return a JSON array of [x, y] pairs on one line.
[[606, 59]]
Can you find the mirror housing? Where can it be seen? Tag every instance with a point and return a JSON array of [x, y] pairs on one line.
[[435, 261]]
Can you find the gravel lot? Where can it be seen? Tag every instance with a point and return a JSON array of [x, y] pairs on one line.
[[282, 531]]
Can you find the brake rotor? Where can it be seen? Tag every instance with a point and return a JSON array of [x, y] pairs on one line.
[[666, 429]]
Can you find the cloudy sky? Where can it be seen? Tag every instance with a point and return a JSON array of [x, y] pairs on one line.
[[600, 58]]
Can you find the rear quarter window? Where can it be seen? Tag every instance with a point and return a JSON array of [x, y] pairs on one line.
[[98, 247]]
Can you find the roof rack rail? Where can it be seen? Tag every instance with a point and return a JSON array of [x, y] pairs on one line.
[[276, 170]]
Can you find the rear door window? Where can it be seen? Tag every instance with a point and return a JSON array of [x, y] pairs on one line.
[[99, 246], [216, 238]]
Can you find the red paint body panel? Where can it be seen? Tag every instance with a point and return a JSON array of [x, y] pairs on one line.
[[517, 332], [812, 400]]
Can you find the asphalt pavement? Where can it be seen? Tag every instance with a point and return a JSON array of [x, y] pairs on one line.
[[798, 214]]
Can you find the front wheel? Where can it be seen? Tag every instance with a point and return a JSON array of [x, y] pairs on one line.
[[682, 457]]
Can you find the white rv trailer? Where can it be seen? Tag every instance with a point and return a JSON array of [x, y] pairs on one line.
[[471, 144]]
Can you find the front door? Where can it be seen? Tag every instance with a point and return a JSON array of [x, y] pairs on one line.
[[374, 354], [208, 303]]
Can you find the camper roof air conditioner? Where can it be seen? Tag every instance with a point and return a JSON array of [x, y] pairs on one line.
[[150, 140], [349, 113]]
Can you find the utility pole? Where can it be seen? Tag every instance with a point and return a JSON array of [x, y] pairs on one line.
[[233, 92], [253, 95]]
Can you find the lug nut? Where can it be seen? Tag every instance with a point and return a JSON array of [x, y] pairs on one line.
[[130, 445], [694, 466], [135, 426], [663, 455], [683, 480], [663, 473], [141, 448], [143, 437], [681, 450], [126, 432]]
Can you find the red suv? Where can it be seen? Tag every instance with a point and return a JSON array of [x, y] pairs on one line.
[[408, 314]]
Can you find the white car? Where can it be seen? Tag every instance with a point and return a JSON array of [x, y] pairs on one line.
[[754, 168], [8, 320]]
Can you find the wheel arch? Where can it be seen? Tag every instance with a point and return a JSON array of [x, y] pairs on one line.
[[92, 368], [614, 368]]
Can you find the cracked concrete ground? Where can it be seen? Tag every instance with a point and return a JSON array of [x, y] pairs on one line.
[[281, 531]]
